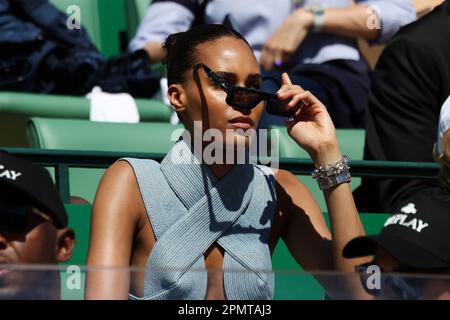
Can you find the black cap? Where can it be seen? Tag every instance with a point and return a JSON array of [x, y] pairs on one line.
[[417, 234], [35, 183]]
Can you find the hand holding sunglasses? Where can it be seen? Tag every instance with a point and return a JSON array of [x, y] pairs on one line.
[[249, 98], [311, 125]]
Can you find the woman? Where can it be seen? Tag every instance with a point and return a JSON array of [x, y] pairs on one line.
[[182, 217]]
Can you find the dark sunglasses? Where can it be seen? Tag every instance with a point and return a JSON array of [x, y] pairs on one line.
[[403, 286], [16, 219], [248, 98]]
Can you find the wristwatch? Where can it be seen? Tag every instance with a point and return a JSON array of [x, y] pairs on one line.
[[334, 180], [319, 17], [331, 175]]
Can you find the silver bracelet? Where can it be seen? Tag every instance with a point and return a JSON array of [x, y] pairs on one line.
[[319, 17], [331, 175]]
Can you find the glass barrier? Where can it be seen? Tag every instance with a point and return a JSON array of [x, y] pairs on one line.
[[78, 283]]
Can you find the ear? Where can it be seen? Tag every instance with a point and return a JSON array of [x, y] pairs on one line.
[[177, 97], [66, 243]]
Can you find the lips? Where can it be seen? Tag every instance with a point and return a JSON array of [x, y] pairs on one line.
[[242, 123]]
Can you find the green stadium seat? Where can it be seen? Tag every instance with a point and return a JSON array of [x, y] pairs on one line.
[[141, 7], [104, 20], [17, 108], [351, 143], [136, 10], [89, 16], [287, 286], [69, 134]]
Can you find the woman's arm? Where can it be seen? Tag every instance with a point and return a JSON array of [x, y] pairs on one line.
[[162, 19], [115, 217], [304, 230], [307, 237], [284, 42], [357, 21], [313, 130], [370, 20], [305, 233]]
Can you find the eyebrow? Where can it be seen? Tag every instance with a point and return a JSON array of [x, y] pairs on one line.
[[225, 74]]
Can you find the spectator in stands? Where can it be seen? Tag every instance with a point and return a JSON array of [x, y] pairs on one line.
[[410, 85], [442, 147], [315, 41], [184, 216], [33, 231], [415, 245]]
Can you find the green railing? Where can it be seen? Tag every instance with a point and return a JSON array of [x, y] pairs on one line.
[[62, 160]]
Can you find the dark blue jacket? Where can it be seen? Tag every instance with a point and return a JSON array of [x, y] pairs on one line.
[[38, 53]]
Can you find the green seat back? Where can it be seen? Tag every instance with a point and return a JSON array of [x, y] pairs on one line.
[[287, 285], [89, 16], [136, 10], [71, 107], [104, 20], [17, 108], [351, 142], [71, 134], [80, 222], [66, 134]]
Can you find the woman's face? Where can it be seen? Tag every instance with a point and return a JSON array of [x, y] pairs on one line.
[[234, 61]]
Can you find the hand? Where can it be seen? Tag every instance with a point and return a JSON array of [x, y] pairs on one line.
[[279, 50], [311, 126]]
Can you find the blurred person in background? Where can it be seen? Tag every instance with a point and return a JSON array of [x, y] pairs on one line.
[[39, 53], [410, 85], [315, 41], [33, 231]]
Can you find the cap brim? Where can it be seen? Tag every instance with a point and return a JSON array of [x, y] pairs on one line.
[[360, 247], [30, 198], [406, 252]]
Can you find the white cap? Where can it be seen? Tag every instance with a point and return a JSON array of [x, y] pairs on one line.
[[444, 124]]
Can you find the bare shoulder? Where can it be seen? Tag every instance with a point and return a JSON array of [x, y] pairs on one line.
[[115, 220], [119, 194]]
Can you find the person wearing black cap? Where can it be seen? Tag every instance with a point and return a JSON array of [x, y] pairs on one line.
[[33, 230], [414, 240]]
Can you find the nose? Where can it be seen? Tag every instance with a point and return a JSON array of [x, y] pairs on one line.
[[245, 112]]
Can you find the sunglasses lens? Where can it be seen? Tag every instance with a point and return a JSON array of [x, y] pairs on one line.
[[280, 108], [245, 99], [13, 220]]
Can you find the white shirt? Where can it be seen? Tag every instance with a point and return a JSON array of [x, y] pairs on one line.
[[256, 20]]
